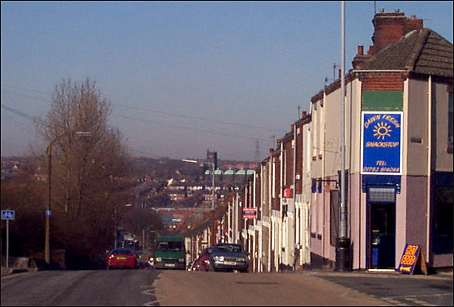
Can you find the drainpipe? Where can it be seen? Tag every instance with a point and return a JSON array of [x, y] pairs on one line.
[[281, 183], [295, 135], [378, 70], [429, 166]]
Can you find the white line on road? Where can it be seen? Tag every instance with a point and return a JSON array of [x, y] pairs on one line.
[[149, 292], [417, 301], [422, 295]]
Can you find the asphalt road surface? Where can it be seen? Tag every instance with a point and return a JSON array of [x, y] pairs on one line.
[[82, 288], [152, 288]]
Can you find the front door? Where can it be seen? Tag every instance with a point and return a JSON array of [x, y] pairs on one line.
[[382, 233]]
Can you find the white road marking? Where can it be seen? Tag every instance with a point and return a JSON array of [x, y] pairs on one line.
[[149, 292]]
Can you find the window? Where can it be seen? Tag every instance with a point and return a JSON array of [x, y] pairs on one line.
[[442, 220], [450, 120]]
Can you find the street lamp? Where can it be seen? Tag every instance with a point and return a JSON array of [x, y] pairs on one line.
[[49, 204], [116, 225], [212, 178]]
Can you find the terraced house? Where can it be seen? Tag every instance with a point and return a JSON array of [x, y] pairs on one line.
[[399, 162], [398, 149]]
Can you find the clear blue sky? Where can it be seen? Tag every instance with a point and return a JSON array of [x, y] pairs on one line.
[[172, 69]]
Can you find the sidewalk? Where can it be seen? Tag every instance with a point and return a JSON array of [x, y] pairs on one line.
[[395, 288], [19, 265], [5, 271], [446, 275]]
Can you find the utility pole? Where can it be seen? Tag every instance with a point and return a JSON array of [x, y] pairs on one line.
[[48, 211], [343, 262], [257, 150], [49, 180], [213, 187]]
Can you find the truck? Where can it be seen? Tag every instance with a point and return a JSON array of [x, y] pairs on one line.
[[170, 252]]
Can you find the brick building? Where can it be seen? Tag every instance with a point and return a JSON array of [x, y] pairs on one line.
[[398, 149]]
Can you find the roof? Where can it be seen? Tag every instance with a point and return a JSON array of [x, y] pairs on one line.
[[420, 51], [423, 52]]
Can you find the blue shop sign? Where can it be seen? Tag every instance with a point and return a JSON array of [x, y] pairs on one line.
[[381, 143]]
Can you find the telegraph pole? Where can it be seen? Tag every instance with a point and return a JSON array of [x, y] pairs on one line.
[[343, 262], [213, 186]]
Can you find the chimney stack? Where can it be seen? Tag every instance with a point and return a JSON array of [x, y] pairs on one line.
[[389, 28]]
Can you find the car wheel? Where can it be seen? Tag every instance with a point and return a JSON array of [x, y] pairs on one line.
[[211, 267]]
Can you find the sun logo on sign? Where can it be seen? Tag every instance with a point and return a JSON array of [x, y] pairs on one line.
[[381, 130]]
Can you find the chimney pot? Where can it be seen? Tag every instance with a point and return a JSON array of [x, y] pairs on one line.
[[360, 50]]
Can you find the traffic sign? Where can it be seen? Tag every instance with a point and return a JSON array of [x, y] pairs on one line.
[[8, 215]]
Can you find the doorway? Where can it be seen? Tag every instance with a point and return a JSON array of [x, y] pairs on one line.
[[382, 228]]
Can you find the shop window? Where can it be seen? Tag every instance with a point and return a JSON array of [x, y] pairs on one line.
[[443, 220]]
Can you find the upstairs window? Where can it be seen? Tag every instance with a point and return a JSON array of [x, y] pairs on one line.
[[450, 120]]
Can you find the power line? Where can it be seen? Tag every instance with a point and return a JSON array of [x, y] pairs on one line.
[[148, 121], [217, 121], [24, 115]]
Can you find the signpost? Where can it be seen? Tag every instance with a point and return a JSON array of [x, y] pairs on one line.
[[8, 215], [249, 213]]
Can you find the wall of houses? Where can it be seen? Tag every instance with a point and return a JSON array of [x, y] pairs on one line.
[[301, 227]]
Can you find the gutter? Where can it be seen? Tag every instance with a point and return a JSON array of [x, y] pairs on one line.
[[378, 70]]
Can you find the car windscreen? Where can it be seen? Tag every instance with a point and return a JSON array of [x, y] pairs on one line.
[[229, 248], [170, 246], [121, 252]]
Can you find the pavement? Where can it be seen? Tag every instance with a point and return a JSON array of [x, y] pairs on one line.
[[148, 287], [398, 289]]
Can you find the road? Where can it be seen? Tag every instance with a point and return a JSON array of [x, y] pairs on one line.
[[153, 288], [83, 288], [149, 287]]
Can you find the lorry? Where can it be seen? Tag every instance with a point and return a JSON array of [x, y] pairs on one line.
[[170, 252]]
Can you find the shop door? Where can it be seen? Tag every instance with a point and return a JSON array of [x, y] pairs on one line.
[[382, 228]]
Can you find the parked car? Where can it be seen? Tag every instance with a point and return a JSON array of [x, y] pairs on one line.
[[222, 257], [226, 256], [121, 258]]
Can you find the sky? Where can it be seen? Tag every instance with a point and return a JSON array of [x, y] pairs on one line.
[[184, 77]]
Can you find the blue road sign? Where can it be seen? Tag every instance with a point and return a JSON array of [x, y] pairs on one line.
[[8, 214], [381, 143]]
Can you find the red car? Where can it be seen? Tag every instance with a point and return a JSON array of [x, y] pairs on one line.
[[202, 263], [121, 258]]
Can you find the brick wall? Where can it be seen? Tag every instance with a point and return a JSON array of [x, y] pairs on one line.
[[382, 81]]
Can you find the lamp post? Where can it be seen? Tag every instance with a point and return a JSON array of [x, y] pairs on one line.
[[49, 203], [343, 262], [212, 179], [116, 224]]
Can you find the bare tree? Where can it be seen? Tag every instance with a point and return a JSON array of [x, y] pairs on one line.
[[89, 166]]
